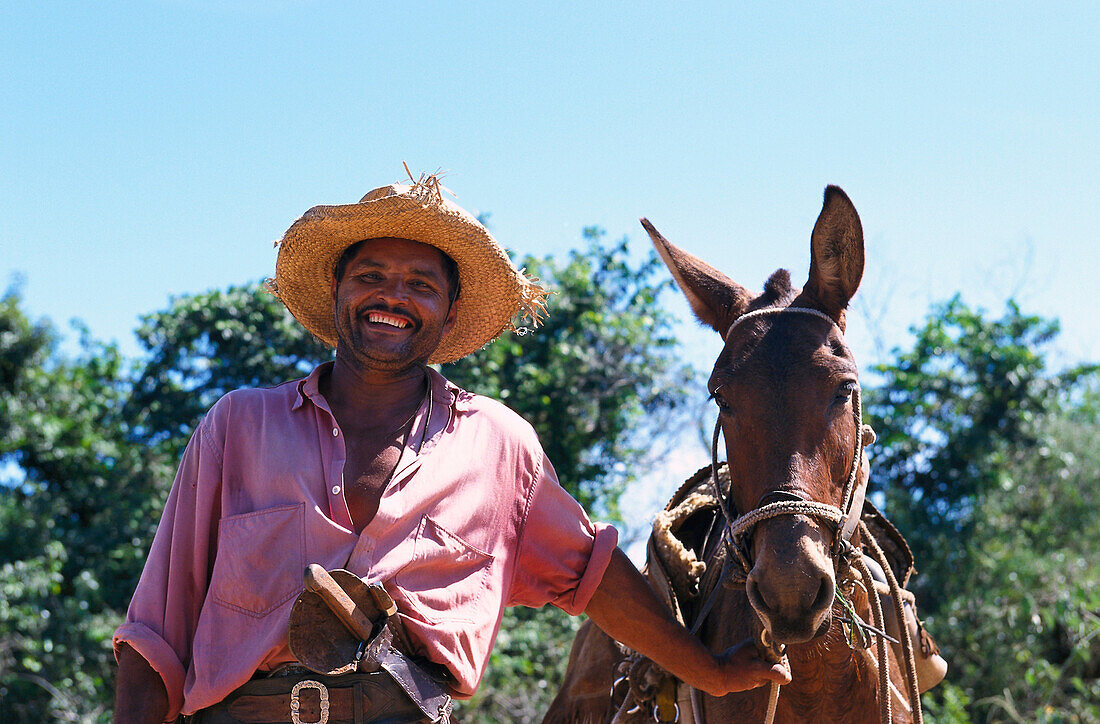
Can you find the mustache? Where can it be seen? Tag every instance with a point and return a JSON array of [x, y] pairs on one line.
[[404, 313]]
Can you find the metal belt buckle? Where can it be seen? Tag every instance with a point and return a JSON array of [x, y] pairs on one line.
[[295, 704]]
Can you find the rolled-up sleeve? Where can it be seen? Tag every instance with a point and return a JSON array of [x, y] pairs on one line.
[[562, 554], [164, 612], [165, 661]]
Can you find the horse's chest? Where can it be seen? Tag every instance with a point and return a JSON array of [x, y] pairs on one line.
[[818, 703], [834, 683], [828, 685], [833, 701]]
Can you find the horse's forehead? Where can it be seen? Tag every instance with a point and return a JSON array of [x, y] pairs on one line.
[[777, 355]]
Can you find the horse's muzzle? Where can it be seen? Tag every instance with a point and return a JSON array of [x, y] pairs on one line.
[[792, 585]]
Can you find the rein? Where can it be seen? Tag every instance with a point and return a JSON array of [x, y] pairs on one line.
[[845, 519]]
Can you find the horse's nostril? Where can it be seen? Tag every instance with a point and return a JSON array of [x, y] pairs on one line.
[[756, 596], [825, 593]]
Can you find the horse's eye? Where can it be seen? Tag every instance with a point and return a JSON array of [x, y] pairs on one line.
[[844, 392], [723, 406]]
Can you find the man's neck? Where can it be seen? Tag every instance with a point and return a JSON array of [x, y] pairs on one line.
[[369, 397]]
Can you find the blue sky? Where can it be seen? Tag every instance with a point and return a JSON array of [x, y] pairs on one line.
[[159, 148]]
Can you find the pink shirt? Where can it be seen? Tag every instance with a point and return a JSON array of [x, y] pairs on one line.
[[473, 520]]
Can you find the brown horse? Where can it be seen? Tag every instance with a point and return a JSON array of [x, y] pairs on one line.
[[788, 405]]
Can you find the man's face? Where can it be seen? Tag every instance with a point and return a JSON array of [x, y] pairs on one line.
[[392, 305]]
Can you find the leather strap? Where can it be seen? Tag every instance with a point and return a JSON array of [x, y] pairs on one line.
[[361, 698], [360, 703], [421, 688], [855, 509]]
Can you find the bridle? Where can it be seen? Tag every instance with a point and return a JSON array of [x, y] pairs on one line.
[[846, 519]]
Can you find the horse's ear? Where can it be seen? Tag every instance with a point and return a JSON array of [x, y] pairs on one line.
[[715, 298], [836, 254]]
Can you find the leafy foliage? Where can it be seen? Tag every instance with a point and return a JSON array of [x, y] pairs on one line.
[[206, 345], [990, 467], [23, 345], [75, 514], [525, 669], [952, 412], [1023, 626]]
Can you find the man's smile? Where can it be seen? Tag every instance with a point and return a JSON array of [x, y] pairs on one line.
[[385, 318]]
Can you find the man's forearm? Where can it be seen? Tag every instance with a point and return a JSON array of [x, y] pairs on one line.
[[140, 697], [627, 609]]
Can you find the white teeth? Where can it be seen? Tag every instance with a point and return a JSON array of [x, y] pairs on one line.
[[387, 319]]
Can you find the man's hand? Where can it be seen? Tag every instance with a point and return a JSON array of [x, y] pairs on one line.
[[626, 609], [742, 668]]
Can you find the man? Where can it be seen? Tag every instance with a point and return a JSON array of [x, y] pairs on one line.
[[378, 465]]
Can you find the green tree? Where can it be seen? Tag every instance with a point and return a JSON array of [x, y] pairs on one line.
[[1025, 631], [74, 510], [988, 463], [525, 670], [23, 346], [206, 345], [951, 413]]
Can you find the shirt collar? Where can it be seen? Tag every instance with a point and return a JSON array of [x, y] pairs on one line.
[[444, 392], [310, 387]]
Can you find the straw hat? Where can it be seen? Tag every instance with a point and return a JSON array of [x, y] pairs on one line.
[[494, 293]]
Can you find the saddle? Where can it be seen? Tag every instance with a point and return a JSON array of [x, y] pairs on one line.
[[674, 566]]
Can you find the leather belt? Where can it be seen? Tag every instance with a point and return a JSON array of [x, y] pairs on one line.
[[309, 698]]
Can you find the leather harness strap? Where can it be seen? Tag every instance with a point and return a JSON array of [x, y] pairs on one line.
[[855, 510]]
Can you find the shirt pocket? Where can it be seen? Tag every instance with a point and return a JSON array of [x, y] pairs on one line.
[[260, 559], [446, 578]]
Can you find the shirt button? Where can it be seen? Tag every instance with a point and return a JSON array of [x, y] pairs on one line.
[[335, 489], [335, 431]]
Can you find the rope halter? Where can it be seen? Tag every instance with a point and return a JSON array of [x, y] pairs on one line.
[[844, 519]]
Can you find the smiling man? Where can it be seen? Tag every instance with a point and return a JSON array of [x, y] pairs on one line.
[[377, 465]]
